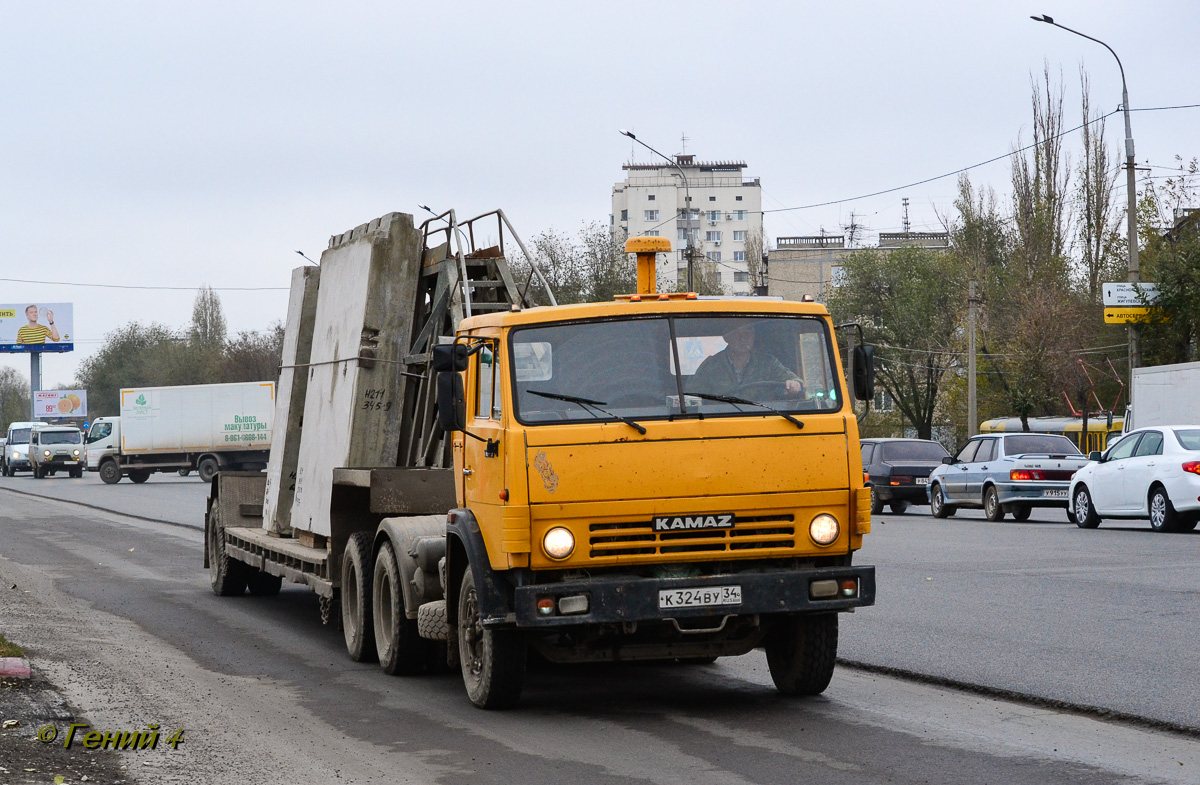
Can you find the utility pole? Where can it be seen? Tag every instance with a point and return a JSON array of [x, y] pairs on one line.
[[972, 402], [689, 253]]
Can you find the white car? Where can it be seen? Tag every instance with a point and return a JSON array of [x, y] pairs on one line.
[[1150, 473]]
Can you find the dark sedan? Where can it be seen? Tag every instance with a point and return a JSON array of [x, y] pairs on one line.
[[897, 471]]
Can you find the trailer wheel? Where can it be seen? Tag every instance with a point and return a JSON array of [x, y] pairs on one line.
[[208, 469], [493, 661], [228, 576], [801, 653], [139, 476], [356, 597], [110, 472], [402, 650], [264, 584]]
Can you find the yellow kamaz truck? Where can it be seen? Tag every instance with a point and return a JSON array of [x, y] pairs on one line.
[[660, 477]]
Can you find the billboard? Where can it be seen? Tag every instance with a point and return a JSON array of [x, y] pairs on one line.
[[60, 403], [37, 327]]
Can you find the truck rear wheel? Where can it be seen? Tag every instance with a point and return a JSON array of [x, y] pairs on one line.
[[493, 661], [208, 469], [801, 653], [402, 650], [110, 472], [356, 598], [264, 584], [228, 576]]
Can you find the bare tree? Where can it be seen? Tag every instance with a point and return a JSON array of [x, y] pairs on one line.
[[1098, 221], [756, 249]]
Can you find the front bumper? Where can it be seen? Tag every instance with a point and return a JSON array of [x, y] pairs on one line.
[[625, 599], [1034, 494]]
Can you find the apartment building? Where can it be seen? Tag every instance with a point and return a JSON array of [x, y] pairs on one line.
[[725, 208]]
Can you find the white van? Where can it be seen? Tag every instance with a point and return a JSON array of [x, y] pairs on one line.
[[16, 447]]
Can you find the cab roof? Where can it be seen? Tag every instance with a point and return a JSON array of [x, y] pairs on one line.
[[648, 305]]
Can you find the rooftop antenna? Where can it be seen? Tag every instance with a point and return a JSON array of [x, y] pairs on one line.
[[684, 139], [907, 225]]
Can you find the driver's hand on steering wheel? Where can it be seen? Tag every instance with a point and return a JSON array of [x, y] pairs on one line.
[[793, 387]]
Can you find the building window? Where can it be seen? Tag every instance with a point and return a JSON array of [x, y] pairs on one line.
[[712, 198], [650, 197], [681, 234], [713, 215], [740, 215], [741, 277], [652, 233], [712, 237], [624, 215], [694, 215], [739, 236], [883, 401], [739, 256], [652, 215], [683, 256], [737, 198], [713, 256]]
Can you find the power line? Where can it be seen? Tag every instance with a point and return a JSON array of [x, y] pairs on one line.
[[154, 288]]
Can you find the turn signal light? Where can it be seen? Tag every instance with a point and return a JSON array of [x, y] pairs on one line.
[[849, 587], [1192, 466], [545, 606], [901, 481]]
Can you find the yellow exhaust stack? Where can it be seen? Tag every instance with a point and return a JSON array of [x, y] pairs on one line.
[[646, 249]]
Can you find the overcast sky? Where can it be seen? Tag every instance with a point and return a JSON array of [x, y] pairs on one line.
[[174, 145]]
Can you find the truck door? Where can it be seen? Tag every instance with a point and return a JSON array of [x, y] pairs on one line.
[[483, 464]]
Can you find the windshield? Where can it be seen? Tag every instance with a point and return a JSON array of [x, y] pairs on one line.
[[60, 437], [895, 452], [19, 436], [638, 368], [1037, 443], [1189, 439]]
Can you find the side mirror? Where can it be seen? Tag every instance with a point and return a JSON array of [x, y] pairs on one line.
[[1095, 455], [864, 372], [450, 357], [948, 460], [451, 400]]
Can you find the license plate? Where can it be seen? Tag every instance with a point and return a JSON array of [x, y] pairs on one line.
[[1053, 493], [699, 597], [922, 481]]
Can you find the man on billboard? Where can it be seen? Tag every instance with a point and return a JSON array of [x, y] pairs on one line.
[[34, 332]]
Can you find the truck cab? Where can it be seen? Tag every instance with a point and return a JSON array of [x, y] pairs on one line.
[[103, 441]]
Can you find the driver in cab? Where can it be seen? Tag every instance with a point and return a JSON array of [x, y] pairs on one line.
[[738, 366]]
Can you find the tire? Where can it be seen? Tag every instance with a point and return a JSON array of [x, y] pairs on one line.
[[1163, 517], [139, 476], [37, 474], [876, 502], [228, 576], [1188, 523], [898, 507], [1021, 512], [357, 569], [402, 650], [492, 661], [802, 652], [1085, 511], [184, 472], [992, 509], [77, 473], [938, 505], [3, 469], [208, 469], [264, 584], [110, 473]]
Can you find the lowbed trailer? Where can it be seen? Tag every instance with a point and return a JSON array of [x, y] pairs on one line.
[[658, 477]]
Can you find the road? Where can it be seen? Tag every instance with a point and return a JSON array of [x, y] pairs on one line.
[[117, 611]]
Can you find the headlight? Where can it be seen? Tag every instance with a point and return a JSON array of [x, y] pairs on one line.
[[46, 453], [76, 453], [558, 543], [16, 455], [823, 529]]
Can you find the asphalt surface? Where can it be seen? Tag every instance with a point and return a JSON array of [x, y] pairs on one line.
[[118, 613], [164, 497]]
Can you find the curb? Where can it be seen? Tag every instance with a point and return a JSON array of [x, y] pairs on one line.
[[14, 668]]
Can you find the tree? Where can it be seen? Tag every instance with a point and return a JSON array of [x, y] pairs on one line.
[[1098, 235], [592, 267], [14, 397], [254, 356], [208, 319], [756, 249], [1170, 231], [909, 302], [132, 356]]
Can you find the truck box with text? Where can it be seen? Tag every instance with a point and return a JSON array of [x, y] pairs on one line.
[[464, 474], [201, 427]]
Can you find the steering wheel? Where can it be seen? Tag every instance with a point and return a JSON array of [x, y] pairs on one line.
[[763, 389]]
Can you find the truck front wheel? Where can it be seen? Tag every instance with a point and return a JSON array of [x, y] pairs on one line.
[[801, 653], [402, 650], [110, 473], [356, 597], [493, 661]]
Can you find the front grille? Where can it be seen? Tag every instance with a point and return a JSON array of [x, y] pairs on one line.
[[638, 538]]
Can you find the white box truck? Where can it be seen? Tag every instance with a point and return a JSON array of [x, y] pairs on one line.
[[201, 427], [1164, 395]]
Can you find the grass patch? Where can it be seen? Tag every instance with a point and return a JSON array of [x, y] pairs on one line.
[[9, 649]]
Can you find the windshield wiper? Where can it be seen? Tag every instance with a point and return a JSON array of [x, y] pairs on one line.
[[743, 401], [588, 402]]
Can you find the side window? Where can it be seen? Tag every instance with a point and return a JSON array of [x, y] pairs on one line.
[[967, 453], [1151, 444], [485, 376], [1123, 448], [866, 454], [987, 450]]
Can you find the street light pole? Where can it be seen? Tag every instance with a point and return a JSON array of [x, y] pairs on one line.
[[1135, 352], [687, 210]]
